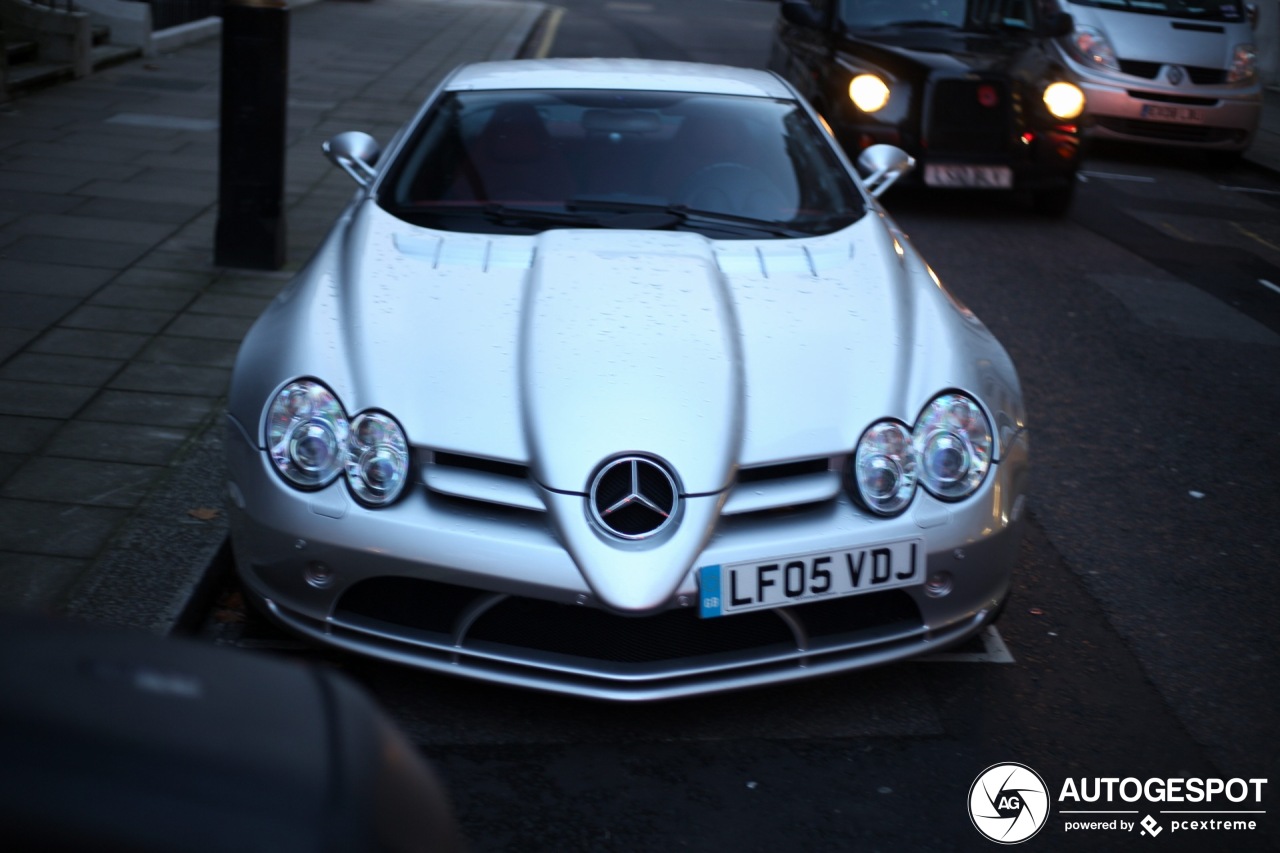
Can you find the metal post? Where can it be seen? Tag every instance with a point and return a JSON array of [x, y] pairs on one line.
[[255, 83]]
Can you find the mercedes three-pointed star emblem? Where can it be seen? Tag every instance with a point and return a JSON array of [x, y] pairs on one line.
[[634, 497]]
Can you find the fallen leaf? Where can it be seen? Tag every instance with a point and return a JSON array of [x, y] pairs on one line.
[[204, 513]]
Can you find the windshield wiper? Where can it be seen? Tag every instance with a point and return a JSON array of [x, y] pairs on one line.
[[662, 216]]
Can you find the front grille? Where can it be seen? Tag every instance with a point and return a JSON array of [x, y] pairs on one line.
[[1169, 132], [1182, 100], [1146, 70], [533, 630], [477, 463], [1200, 76], [783, 470], [959, 122], [565, 629]]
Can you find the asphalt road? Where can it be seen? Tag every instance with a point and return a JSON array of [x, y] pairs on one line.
[[1141, 628]]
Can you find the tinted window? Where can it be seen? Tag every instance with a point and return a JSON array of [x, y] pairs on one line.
[[960, 14], [525, 161]]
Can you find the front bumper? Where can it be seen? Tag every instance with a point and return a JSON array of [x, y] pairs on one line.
[[485, 591], [1223, 118]]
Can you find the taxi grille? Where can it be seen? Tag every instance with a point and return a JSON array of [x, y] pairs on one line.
[[968, 117]]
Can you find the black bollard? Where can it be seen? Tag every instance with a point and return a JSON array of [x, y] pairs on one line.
[[255, 86]]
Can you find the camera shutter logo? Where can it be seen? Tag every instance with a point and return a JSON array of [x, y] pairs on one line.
[[1008, 803]]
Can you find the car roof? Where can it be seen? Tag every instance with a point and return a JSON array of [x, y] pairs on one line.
[[618, 74]]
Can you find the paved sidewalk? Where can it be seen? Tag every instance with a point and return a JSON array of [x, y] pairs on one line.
[[117, 333]]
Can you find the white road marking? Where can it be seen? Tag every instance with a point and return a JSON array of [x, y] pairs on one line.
[[1112, 176], [994, 651], [1254, 190]]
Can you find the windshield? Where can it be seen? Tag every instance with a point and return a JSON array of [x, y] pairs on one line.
[[1224, 10], [974, 15], [521, 162]]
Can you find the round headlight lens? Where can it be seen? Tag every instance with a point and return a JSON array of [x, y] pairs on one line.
[[1064, 100], [1092, 46], [306, 432], [377, 458], [952, 441], [868, 92], [884, 468]]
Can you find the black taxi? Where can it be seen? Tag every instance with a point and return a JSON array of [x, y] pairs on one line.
[[973, 89]]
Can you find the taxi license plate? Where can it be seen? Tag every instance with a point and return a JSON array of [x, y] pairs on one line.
[[759, 585], [968, 177], [1179, 115]]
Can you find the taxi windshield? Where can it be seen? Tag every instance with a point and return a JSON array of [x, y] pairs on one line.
[[972, 15], [525, 161]]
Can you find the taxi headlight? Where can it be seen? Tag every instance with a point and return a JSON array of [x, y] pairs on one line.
[[868, 92], [952, 440], [1064, 100]]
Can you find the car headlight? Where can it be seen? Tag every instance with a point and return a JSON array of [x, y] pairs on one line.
[[952, 440], [1244, 63], [307, 434], [1064, 100], [377, 458], [311, 441], [884, 468], [1090, 45], [868, 92]]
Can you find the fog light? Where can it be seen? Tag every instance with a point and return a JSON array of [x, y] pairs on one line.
[[938, 584], [318, 575]]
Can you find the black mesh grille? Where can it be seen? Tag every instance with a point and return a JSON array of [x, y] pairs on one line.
[[411, 603], [544, 627], [598, 635], [969, 117]]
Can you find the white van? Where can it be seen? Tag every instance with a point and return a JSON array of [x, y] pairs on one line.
[[1166, 72]]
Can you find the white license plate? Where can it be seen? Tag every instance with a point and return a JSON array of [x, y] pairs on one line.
[[1179, 115], [968, 177], [761, 584]]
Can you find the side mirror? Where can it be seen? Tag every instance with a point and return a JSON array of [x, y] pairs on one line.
[[801, 14], [356, 153], [1057, 24], [882, 165]]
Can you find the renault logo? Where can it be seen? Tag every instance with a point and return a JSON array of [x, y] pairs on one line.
[[634, 497], [1175, 75]]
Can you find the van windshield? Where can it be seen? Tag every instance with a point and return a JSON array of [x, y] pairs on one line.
[[1222, 10]]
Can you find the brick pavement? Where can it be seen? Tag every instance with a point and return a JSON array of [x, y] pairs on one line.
[[117, 333]]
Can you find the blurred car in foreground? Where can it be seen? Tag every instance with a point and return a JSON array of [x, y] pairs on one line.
[[972, 89], [1166, 72], [125, 742], [614, 380]]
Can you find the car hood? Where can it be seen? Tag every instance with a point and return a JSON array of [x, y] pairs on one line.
[[564, 349], [1154, 38]]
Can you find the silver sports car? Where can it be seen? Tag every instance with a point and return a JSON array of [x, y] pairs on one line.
[[614, 379]]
